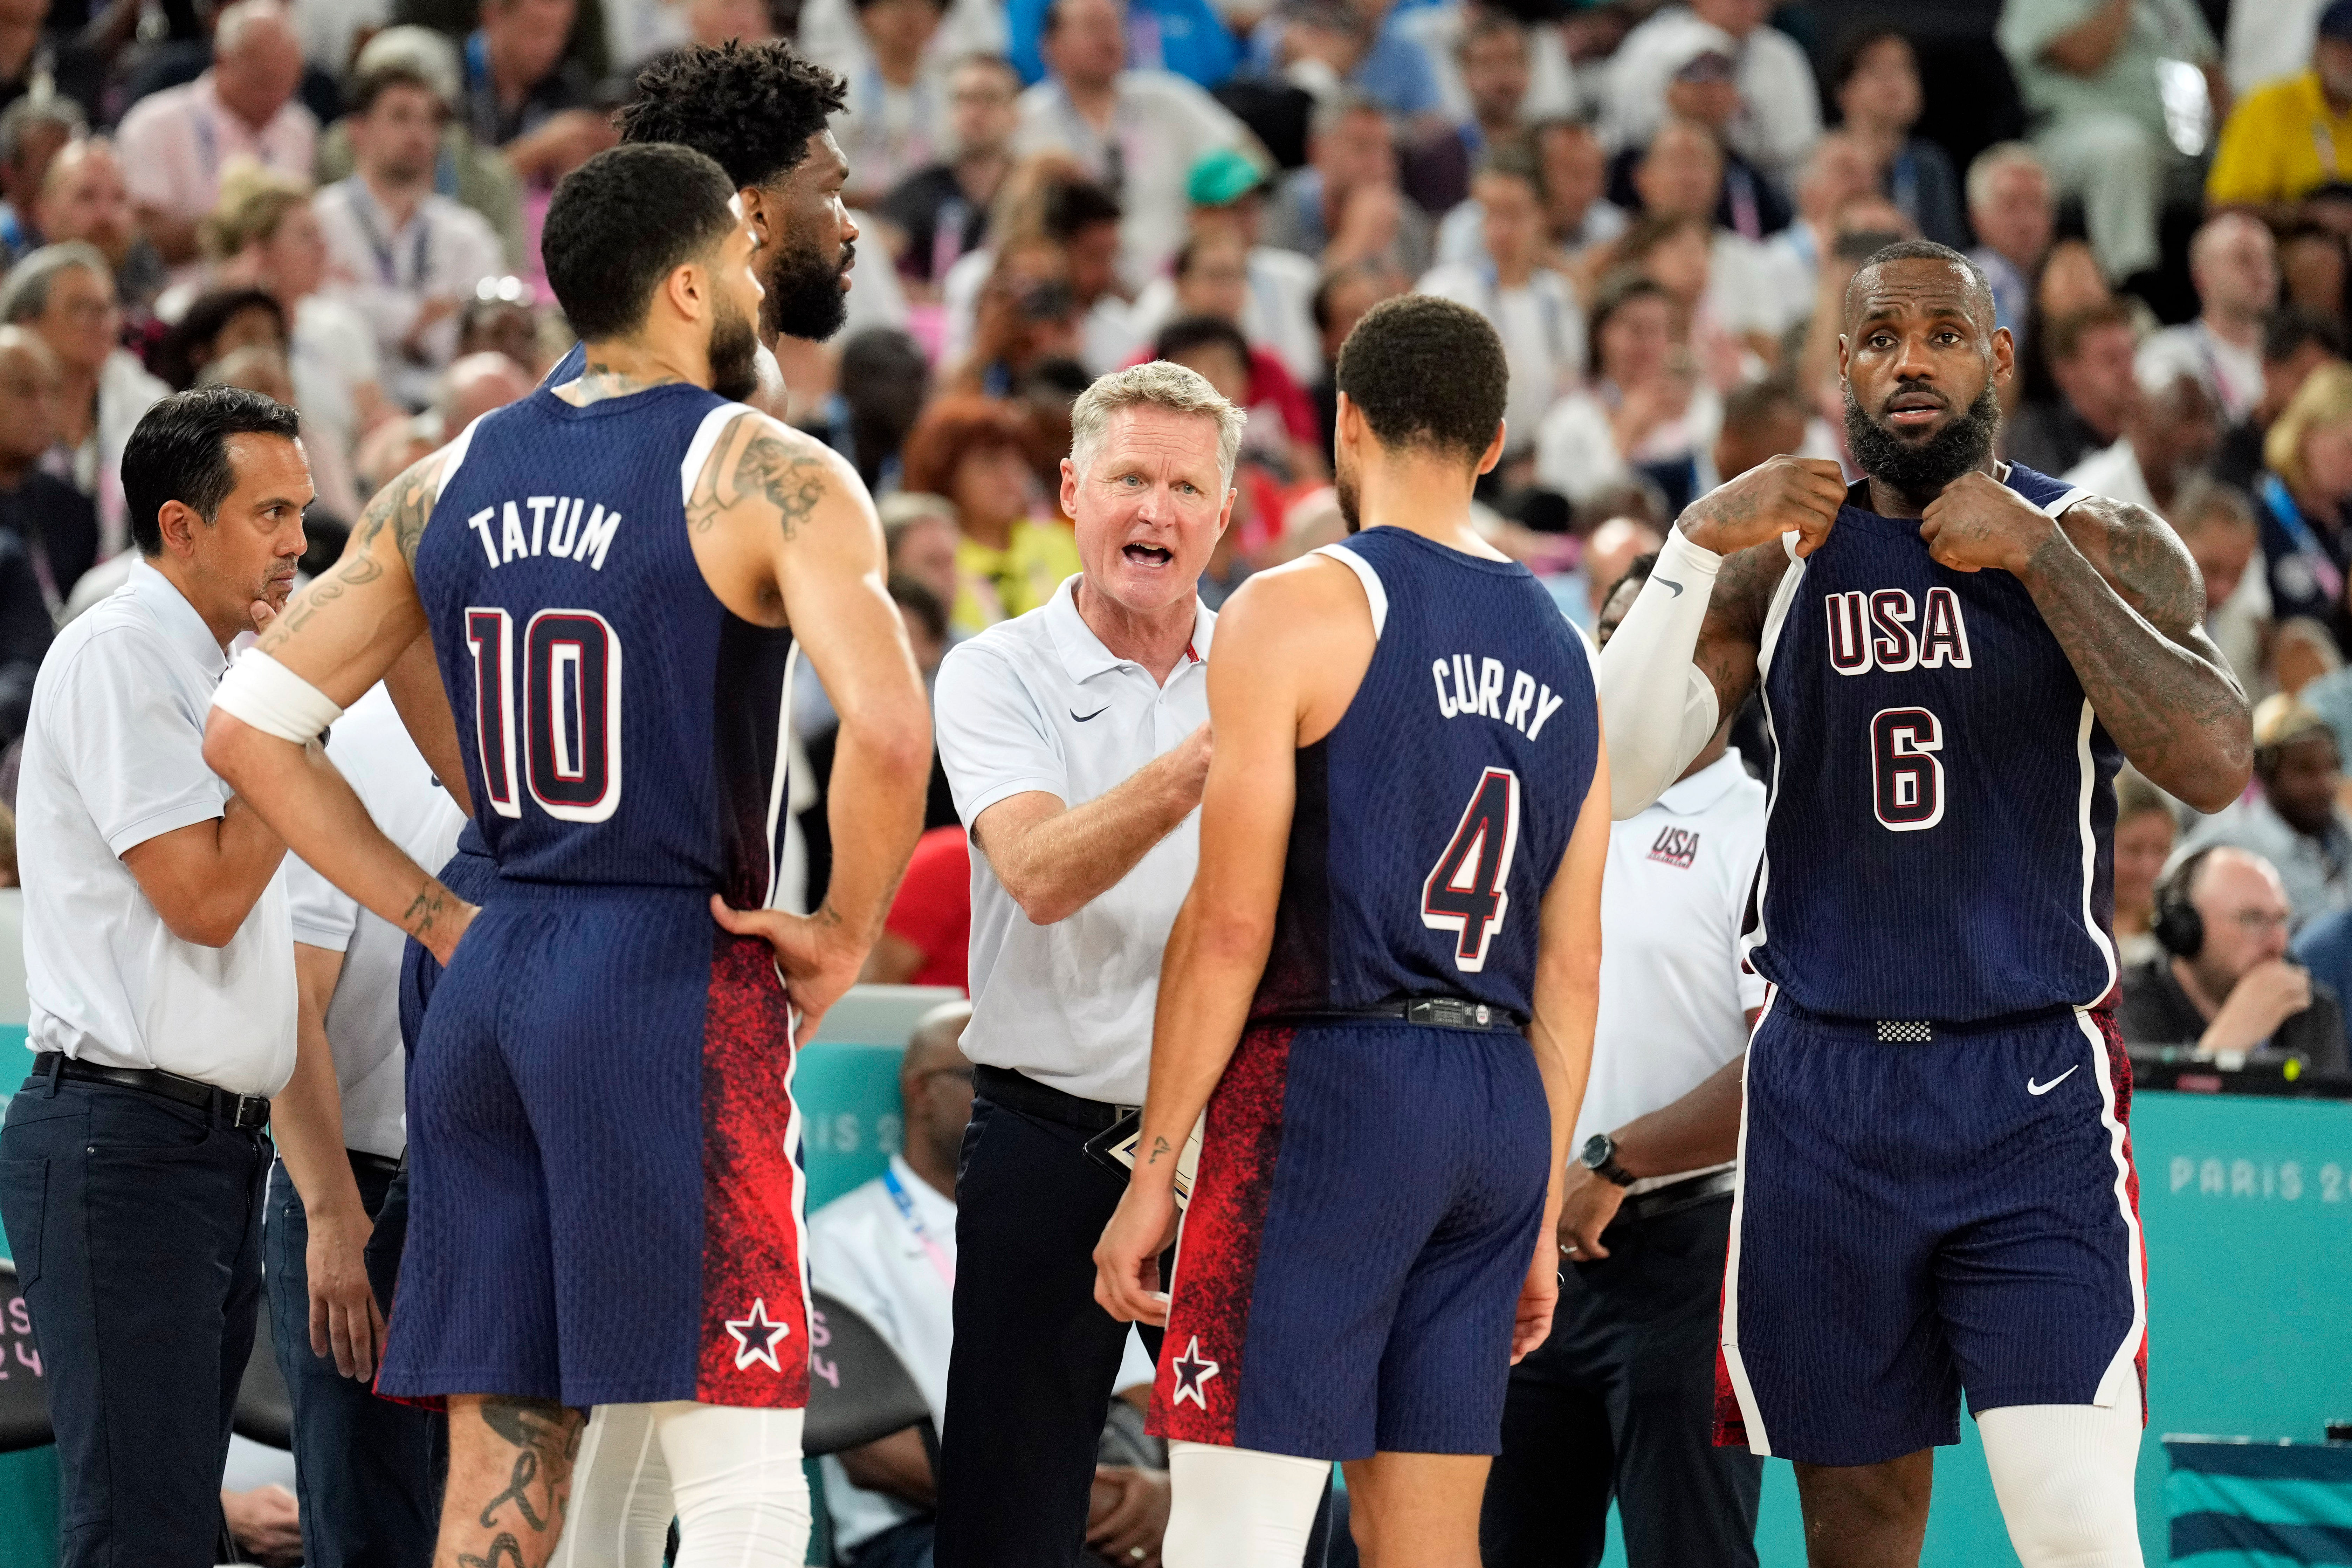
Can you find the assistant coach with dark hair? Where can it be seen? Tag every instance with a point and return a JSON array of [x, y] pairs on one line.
[[159, 966]]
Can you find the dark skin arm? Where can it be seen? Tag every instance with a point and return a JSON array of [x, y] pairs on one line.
[[2120, 592], [896, 1466]]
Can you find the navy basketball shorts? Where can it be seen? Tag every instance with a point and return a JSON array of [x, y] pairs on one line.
[[1362, 1221], [605, 1193], [1918, 1217]]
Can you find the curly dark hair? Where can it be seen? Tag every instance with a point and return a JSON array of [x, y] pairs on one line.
[[753, 107], [1427, 372]]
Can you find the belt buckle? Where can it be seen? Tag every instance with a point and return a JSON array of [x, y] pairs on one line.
[[1448, 1013], [251, 1106], [1904, 1032]]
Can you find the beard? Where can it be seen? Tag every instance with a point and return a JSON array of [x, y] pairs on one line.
[[805, 297], [1918, 471], [734, 353], [1351, 496]]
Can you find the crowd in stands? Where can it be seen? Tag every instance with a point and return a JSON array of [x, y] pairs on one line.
[[336, 202]]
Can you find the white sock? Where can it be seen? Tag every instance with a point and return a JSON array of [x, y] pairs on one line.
[[1238, 1508], [2064, 1475]]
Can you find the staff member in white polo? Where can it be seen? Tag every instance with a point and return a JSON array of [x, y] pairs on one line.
[[1075, 738], [160, 965], [1621, 1398]]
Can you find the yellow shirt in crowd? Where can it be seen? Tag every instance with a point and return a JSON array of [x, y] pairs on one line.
[[2283, 141], [995, 584]]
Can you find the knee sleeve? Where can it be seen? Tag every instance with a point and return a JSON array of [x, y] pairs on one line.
[[620, 1511], [743, 1498], [1237, 1508], [2064, 1475]]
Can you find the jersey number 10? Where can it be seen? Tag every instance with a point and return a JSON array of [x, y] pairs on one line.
[[1467, 889], [568, 739]]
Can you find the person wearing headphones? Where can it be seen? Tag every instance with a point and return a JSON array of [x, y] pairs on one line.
[[2223, 981]]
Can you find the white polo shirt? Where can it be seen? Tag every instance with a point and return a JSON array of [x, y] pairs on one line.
[[1038, 704], [1674, 997], [868, 1255], [369, 746], [113, 757]]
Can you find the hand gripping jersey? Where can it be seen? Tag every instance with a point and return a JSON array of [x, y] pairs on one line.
[[1941, 839], [1432, 818]]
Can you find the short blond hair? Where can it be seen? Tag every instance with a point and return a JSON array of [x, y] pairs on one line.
[[1159, 383], [2324, 398], [254, 200]]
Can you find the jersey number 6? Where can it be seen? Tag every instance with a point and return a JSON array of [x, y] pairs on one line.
[[1465, 892], [571, 723], [1906, 778]]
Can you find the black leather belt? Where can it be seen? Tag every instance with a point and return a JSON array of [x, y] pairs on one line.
[[365, 1163], [1017, 1092], [1432, 1012], [1676, 1196], [244, 1111]]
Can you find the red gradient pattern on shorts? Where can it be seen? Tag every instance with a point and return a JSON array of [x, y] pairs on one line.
[[1216, 1263], [751, 1237], [2119, 1075], [1730, 1426]]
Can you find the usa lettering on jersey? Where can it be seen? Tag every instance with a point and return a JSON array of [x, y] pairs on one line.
[[1883, 629], [556, 529], [1468, 684]]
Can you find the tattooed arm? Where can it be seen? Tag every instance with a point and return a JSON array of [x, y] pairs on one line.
[[2119, 590], [786, 535], [342, 634]]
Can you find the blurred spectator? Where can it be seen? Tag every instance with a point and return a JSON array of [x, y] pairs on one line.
[[1363, 45], [524, 98], [1608, 554], [2218, 524], [2144, 833], [1346, 206], [1700, 92], [2014, 215], [1779, 104], [943, 208], [2308, 455], [2234, 264], [499, 319], [1212, 284], [1762, 420], [54, 523], [1010, 559], [1838, 170], [2069, 281], [1532, 307], [65, 293], [1875, 83], [2091, 75], [926, 937], [1497, 71], [2091, 361], [1646, 409], [1137, 132], [829, 34], [2296, 341], [2287, 138], [883, 382], [256, 367], [84, 196], [1227, 190], [265, 236], [400, 254], [2312, 269], [177, 143], [1680, 176], [33, 131], [214, 324], [1340, 302], [1271, 451], [25, 628], [21, 61], [2232, 988], [1578, 216], [473, 173], [1085, 221], [2292, 819], [894, 120], [472, 385], [2304, 652], [2170, 431], [919, 537]]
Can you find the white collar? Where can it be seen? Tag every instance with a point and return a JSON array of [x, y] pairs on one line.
[[1694, 795], [1082, 653], [176, 618]]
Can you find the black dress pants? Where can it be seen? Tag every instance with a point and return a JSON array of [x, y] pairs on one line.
[[1620, 1401]]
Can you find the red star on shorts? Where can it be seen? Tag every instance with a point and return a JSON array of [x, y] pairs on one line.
[[1193, 1369], [756, 1337]]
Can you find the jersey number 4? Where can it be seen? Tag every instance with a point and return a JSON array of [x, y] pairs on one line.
[[1466, 891], [568, 739], [1906, 778]]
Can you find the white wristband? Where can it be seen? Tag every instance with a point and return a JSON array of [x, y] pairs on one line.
[[274, 700]]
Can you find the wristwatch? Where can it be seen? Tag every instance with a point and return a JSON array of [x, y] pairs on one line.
[[1599, 1156]]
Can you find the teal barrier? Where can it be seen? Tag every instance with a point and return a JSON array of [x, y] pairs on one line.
[[2247, 1205], [2238, 1504]]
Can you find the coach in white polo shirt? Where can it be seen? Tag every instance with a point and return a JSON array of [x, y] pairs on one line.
[[1621, 1398], [159, 964], [1075, 738]]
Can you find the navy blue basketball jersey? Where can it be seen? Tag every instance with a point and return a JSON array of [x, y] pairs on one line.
[[620, 726], [1432, 818], [1940, 845]]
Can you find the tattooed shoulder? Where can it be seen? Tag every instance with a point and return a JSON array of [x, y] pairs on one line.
[[762, 461], [2142, 559], [404, 506]]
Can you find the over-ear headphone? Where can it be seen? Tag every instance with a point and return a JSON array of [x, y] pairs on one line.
[[2178, 928]]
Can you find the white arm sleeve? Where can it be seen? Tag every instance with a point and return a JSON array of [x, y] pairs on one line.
[[1657, 708]]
